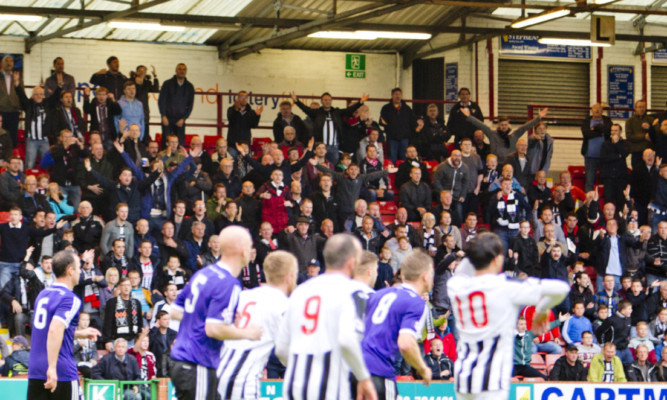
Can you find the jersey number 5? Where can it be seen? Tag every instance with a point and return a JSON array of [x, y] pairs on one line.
[[312, 313], [474, 306], [190, 302], [245, 315]]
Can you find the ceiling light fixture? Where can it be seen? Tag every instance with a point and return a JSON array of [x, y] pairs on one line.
[[370, 35], [20, 18], [541, 18], [144, 26], [571, 42]]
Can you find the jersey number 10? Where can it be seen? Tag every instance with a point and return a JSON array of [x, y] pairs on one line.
[[476, 302]]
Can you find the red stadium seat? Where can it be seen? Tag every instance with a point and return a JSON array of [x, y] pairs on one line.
[[20, 136], [388, 219], [209, 141], [577, 173], [387, 207], [551, 360], [405, 378], [188, 138], [258, 142], [158, 138], [4, 217], [431, 165], [537, 362]]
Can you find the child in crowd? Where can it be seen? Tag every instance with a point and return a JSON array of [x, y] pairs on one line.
[[398, 255], [587, 348], [642, 337], [603, 314], [658, 331], [385, 272], [85, 350]]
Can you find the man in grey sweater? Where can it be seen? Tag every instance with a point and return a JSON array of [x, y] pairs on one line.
[[453, 175], [503, 139], [118, 228]]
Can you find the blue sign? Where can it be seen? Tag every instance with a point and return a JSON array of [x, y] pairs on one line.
[[621, 89], [660, 55], [451, 84], [527, 46]]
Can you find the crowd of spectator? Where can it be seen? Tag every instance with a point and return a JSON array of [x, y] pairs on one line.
[[144, 215]]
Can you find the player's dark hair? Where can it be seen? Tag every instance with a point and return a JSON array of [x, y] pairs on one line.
[[160, 314], [603, 307], [578, 302], [483, 249], [586, 332], [61, 261]]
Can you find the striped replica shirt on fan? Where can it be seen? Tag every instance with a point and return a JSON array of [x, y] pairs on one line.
[[486, 308], [243, 361], [319, 339]]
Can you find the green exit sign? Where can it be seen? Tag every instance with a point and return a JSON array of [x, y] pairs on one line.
[[101, 391], [355, 66]]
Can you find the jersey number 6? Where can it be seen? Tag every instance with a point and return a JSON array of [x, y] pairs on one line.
[[481, 304]]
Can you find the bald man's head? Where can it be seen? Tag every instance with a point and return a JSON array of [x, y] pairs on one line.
[[235, 247]]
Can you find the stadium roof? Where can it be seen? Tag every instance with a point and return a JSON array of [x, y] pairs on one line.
[[241, 27]]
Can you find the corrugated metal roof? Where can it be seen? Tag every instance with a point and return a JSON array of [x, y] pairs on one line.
[[415, 16]]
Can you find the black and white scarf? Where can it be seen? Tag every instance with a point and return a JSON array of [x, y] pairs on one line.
[[508, 211], [122, 320]]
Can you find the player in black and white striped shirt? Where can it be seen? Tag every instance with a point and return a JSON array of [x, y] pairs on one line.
[[319, 336], [243, 361], [486, 306]]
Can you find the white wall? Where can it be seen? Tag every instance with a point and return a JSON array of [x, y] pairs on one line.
[[271, 72]]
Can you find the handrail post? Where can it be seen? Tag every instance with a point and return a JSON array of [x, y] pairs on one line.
[[218, 129]]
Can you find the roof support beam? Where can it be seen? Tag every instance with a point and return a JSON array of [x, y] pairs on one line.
[[33, 40], [343, 19]]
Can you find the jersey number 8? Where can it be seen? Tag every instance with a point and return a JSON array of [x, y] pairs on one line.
[[380, 313], [474, 306]]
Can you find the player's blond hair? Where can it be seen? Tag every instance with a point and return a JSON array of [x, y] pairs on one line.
[[415, 264], [368, 258], [279, 264]]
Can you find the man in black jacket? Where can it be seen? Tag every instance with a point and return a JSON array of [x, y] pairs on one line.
[[102, 111], [160, 339], [400, 123], [568, 368], [12, 294], [287, 118], [595, 129], [110, 77], [122, 317], [412, 159], [641, 370], [458, 123], [415, 196], [177, 97], [642, 180], [328, 122], [118, 365], [65, 116], [616, 329], [36, 112], [242, 118], [325, 203]]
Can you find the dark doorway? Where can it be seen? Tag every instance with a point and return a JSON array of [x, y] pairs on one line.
[[428, 82]]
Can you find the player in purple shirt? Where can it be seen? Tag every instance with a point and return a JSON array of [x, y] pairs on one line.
[[206, 308], [395, 318], [52, 373]]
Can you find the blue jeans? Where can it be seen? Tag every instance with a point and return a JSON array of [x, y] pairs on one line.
[[73, 194], [650, 278], [625, 356], [506, 236], [547, 347], [33, 148], [172, 129], [591, 166], [397, 149], [7, 270]]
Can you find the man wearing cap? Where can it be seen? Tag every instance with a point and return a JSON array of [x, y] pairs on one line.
[[568, 368], [17, 362], [299, 242], [312, 270]]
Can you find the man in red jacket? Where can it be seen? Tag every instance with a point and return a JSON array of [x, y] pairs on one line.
[[550, 342], [145, 360]]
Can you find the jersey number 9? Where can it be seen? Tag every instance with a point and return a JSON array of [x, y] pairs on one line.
[[312, 314]]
